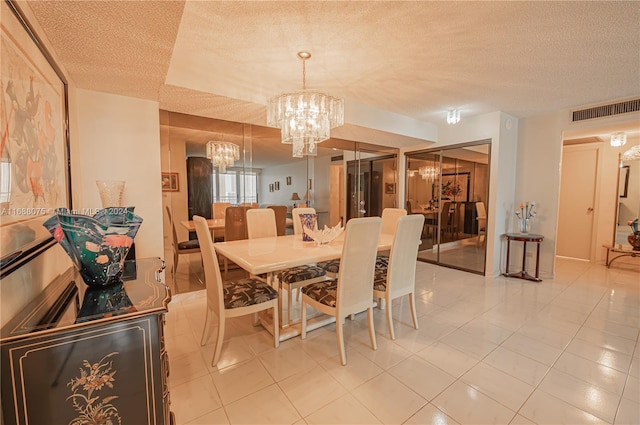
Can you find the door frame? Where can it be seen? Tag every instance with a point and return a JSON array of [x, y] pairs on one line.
[[597, 146]]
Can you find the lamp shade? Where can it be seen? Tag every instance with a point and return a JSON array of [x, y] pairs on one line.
[[295, 196]]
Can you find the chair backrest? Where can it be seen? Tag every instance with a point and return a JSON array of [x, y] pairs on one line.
[[261, 223], [445, 213], [281, 218], [249, 204], [173, 230], [303, 205], [482, 212], [295, 217], [212, 277], [235, 223], [409, 211], [401, 273], [218, 209], [355, 277], [390, 218]]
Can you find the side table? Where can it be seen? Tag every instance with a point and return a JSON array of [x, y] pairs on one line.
[[524, 238], [623, 250]]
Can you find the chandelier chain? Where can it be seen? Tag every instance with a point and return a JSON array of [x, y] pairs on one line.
[[304, 74]]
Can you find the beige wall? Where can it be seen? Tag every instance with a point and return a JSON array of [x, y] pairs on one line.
[[119, 139]]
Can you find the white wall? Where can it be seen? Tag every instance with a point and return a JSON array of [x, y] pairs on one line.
[[119, 139], [538, 176], [298, 172]]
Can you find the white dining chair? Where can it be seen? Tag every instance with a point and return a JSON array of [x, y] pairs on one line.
[[352, 291], [390, 217], [399, 277], [261, 223], [482, 222], [231, 298], [218, 210], [295, 217]]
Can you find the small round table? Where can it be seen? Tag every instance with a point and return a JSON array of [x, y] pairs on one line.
[[524, 238]]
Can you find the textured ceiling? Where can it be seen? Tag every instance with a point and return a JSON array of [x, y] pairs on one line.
[[223, 59]]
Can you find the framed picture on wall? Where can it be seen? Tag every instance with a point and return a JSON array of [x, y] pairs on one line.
[[34, 150], [277, 185], [288, 180], [271, 187], [170, 182], [623, 187], [390, 188]]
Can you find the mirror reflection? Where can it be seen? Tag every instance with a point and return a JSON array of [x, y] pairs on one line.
[[450, 187], [628, 198], [345, 179]]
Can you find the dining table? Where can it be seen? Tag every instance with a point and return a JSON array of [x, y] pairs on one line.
[[215, 224], [212, 223], [273, 254]]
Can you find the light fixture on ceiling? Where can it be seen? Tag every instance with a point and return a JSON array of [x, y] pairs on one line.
[[632, 153], [222, 154], [453, 116], [618, 139], [429, 173], [305, 116]]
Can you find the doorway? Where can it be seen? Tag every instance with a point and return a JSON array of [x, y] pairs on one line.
[[578, 180], [450, 187]]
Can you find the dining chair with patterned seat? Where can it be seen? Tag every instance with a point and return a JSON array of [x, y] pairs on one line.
[[261, 223], [352, 291], [232, 298], [399, 277], [180, 248], [390, 217], [482, 222]]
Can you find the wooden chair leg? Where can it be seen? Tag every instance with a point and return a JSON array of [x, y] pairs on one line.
[[303, 319], [340, 337], [276, 326], [414, 314], [390, 320], [219, 342], [205, 330], [372, 330]]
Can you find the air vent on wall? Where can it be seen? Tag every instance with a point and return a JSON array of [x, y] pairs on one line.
[[607, 110]]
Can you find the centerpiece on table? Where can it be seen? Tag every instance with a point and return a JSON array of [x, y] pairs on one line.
[[525, 214], [98, 244], [324, 236]]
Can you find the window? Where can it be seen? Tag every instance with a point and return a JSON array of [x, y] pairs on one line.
[[235, 186]]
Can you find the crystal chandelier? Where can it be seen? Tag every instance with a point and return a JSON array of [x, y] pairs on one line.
[[618, 139], [222, 154], [453, 116], [429, 173], [632, 153], [306, 116]]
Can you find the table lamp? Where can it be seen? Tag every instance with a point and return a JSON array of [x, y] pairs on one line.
[[294, 198]]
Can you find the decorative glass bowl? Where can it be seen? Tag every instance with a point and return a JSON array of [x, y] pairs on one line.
[[97, 245], [324, 236]]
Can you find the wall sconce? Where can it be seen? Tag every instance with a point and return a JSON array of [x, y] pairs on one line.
[[618, 139]]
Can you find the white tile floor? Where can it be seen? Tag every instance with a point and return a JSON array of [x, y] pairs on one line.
[[488, 351]]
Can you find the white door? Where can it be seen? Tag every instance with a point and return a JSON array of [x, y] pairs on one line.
[[577, 200]]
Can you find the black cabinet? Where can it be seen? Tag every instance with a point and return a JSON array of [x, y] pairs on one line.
[[77, 355]]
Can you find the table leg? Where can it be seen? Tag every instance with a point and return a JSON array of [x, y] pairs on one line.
[[538, 261], [524, 258], [508, 246], [607, 261]]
